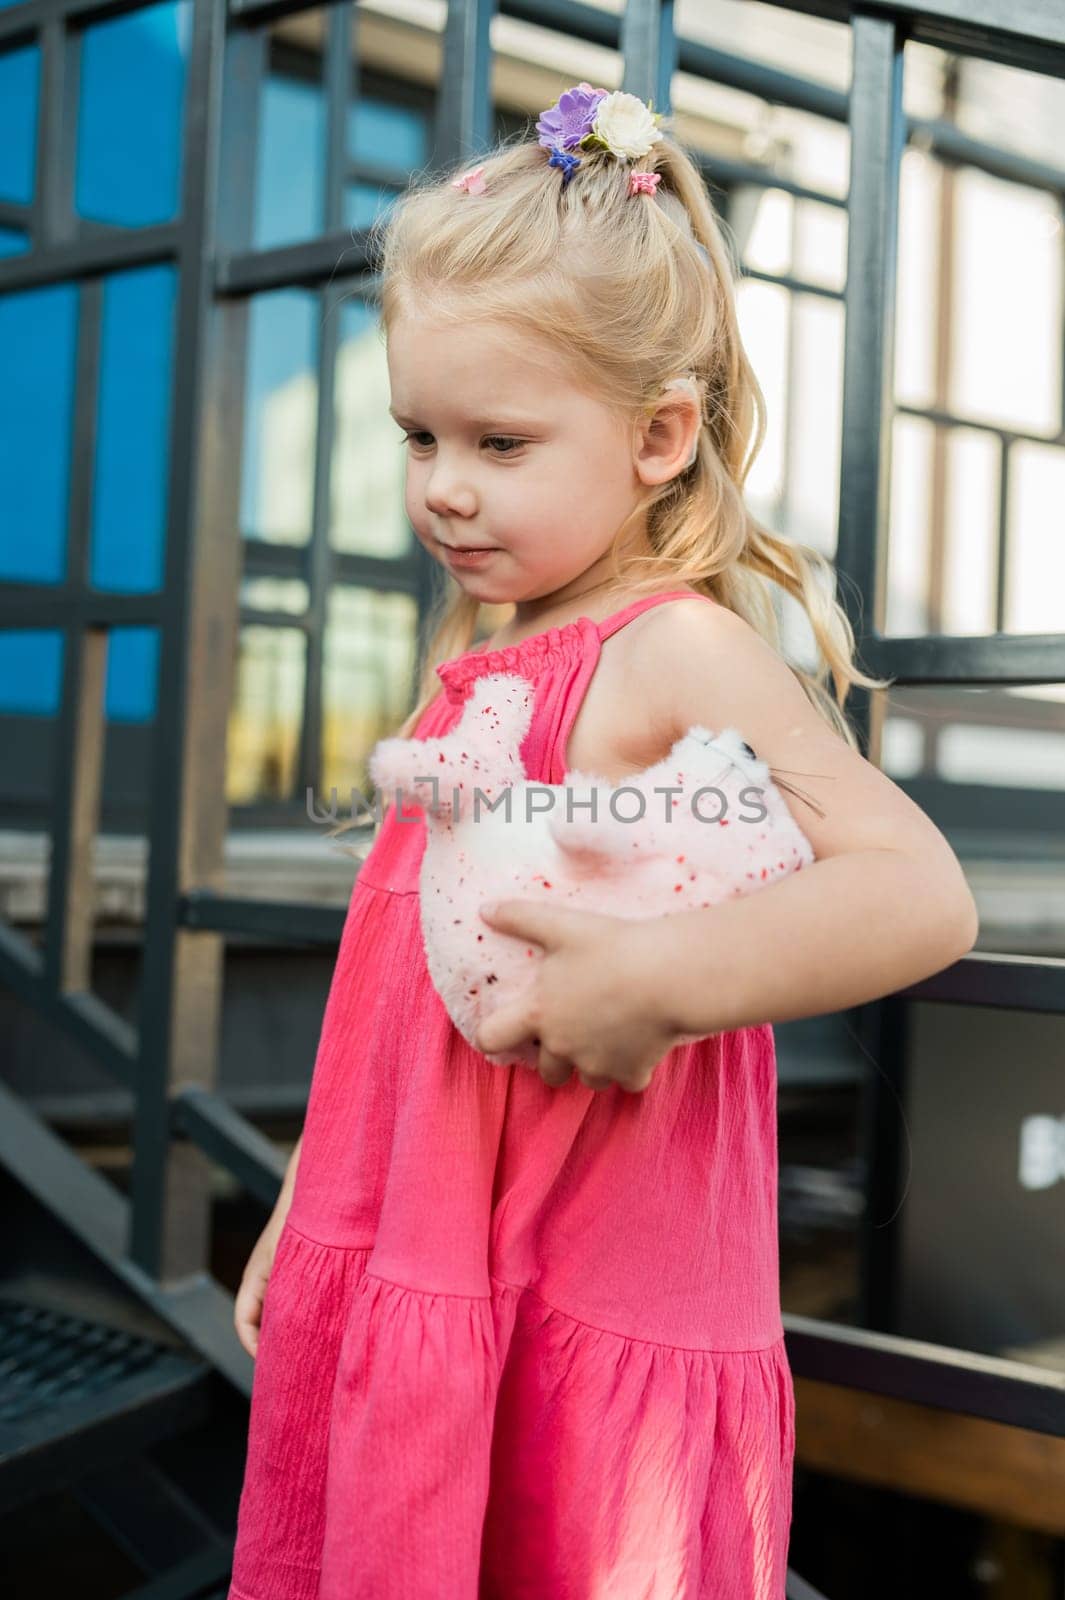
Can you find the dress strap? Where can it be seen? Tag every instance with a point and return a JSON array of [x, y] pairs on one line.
[[611, 625]]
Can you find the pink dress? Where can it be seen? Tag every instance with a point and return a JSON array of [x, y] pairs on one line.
[[519, 1343]]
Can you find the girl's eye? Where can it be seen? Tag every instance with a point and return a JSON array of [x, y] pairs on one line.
[[499, 442]]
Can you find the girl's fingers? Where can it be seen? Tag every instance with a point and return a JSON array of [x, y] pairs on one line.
[[505, 1028], [247, 1315], [555, 1070]]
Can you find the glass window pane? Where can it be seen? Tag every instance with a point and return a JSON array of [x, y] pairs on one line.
[[1006, 364], [970, 514], [129, 499], [981, 1250], [1035, 575], [370, 646], [821, 244], [132, 81], [944, 532], [368, 516], [763, 219], [264, 724], [365, 202], [31, 671], [915, 292], [19, 70], [382, 130], [815, 408], [1008, 107], [806, 148], [275, 594], [810, 46], [907, 555], [988, 767], [13, 242], [132, 671], [38, 334], [290, 186], [764, 313], [280, 418]]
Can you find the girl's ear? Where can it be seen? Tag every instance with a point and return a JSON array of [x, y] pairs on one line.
[[667, 440]]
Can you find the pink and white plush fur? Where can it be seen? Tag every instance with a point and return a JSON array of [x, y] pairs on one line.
[[543, 842]]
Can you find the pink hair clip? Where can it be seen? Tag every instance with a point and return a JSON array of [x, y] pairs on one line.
[[644, 182], [472, 182]]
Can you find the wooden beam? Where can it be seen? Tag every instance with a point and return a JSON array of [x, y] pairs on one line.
[[986, 1467]]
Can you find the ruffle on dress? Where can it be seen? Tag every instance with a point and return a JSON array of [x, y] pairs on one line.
[[647, 1472], [531, 654]]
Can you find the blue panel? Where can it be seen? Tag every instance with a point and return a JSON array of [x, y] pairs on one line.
[[132, 672], [31, 672], [12, 242], [380, 130], [129, 493], [131, 116], [19, 72], [282, 348], [38, 338], [363, 201], [289, 194]]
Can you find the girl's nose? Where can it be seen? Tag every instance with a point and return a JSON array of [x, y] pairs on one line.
[[446, 494]]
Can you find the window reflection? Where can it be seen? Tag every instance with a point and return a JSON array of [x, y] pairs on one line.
[[370, 644], [267, 710], [289, 194], [988, 766], [19, 78], [38, 335], [280, 417], [133, 425], [132, 77], [132, 672], [368, 462], [31, 671]]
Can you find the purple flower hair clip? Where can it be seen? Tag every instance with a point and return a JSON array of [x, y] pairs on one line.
[[563, 125], [586, 118]]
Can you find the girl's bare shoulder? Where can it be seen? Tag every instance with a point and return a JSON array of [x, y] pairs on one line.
[[625, 723]]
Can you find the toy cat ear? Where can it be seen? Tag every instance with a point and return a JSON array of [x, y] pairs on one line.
[[483, 749], [406, 772]]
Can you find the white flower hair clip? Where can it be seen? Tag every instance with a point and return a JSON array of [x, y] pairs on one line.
[[585, 118]]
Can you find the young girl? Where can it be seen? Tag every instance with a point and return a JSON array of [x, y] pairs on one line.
[[522, 1337]]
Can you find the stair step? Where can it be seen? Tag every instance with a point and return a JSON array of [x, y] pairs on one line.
[[77, 1394]]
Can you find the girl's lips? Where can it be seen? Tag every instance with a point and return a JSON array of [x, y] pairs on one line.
[[468, 558]]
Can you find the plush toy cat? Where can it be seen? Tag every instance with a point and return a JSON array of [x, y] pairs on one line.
[[703, 825]]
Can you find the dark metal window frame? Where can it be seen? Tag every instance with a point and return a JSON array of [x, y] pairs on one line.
[[158, 1239]]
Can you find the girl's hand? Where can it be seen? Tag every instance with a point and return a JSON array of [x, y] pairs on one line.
[[248, 1306], [591, 1007]]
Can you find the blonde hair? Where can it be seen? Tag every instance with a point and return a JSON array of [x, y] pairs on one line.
[[629, 292]]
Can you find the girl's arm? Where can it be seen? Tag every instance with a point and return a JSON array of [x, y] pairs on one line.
[[284, 1199], [884, 904], [844, 930], [248, 1302]]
